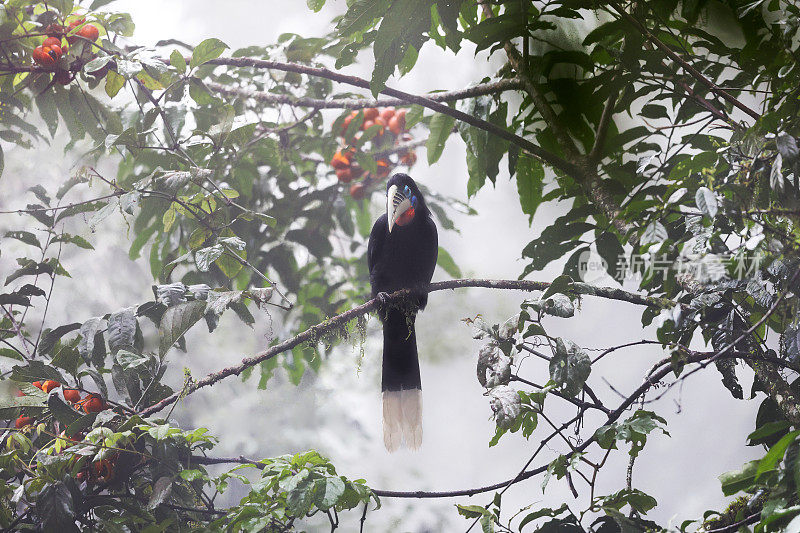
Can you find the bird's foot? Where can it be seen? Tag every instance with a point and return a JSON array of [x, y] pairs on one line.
[[383, 298]]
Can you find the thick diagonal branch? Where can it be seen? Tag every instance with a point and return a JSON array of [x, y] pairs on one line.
[[332, 324]]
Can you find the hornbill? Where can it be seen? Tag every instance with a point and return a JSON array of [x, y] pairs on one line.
[[402, 252]]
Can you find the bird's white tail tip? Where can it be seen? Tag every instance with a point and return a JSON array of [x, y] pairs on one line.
[[402, 419]]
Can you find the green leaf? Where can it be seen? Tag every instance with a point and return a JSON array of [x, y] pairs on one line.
[[61, 411], [315, 5], [768, 430], [47, 109], [360, 15], [530, 182], [401, 29], [161, 490], [206, 51], [57, 508], [176, 60], [569, 367], [441, 127], [176, 321], [472, 511], [738, 480], [706, 201], [776, 453], [114, 82], [447, 263]]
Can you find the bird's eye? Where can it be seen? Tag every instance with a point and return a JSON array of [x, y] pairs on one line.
[[406, 190]]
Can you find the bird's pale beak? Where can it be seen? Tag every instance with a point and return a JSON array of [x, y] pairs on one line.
[[396, 205]]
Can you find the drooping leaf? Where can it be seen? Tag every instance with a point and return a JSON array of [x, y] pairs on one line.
[[570, 366], [176, 321]]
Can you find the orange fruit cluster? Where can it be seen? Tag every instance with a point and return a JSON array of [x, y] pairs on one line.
[[91, 403], [53, 48], [389, 122]]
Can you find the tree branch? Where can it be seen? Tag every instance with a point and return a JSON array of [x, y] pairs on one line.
[[361, 103], [535, 150], [315, 332], [602, 127]]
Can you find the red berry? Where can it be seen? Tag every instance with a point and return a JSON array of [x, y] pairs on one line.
[[347, 120], [340, 160], [49, 385], [41, 57], [72, 395], [345, 175], [50, 41], [55, 52], [371, 113], [387, 113], [23, 421], [398, 122], [382, 123], [93, 404], [90, 32]]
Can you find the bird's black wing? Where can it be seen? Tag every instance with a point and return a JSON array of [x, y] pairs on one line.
[[429, 253], [377, 238]]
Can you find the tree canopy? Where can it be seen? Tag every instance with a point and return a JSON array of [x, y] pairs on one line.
[[665, 130]]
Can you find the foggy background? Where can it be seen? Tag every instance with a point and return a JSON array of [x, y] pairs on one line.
[[337, 411]]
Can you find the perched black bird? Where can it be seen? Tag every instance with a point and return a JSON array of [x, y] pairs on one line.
[[402, 252]]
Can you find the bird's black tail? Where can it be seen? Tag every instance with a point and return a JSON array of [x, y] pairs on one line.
[[401, 385]]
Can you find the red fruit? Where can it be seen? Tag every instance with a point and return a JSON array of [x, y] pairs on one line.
[[371, 113], [367, 124], [347, 120], [41, 57], [55, 52], [93, 404], [75, 23], [345, 175], [398, 122], [81, 476], [72, 395], [382, 123], [49, 385], [340, 160], [23, 421], [50, 41], [358, 191], [37, 384], [90, 32], [387, 113]]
